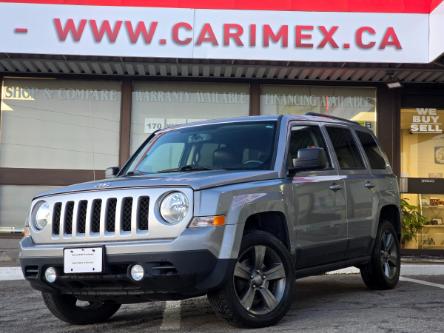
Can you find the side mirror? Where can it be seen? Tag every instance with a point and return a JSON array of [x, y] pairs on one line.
[[112, 172], [309, 159]]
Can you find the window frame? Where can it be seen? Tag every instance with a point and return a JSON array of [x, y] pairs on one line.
[[332, 159]]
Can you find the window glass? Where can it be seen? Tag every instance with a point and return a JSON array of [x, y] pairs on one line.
[[422, 143], [163, 104], [59, 124], [305, 137], [345, 147], [231, 146], [422, 172], [372, 151], [15, 202], [357, 104]]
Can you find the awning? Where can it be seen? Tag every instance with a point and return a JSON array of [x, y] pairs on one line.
[[206, 69]]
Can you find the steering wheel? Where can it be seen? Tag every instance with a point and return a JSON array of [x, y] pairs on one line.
[[256, 162]]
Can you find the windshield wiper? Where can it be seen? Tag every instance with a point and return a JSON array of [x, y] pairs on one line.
[[184, 168]]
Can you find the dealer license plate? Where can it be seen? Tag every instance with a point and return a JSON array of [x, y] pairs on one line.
[[83, 260]]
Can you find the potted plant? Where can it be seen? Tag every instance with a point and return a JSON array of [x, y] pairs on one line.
[[412, 223]]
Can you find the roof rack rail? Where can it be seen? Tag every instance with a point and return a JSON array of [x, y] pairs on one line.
[[331, 117]]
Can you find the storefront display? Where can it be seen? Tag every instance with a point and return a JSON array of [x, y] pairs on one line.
[[51, 124], [157, 105], [357, 104], [422, 171]]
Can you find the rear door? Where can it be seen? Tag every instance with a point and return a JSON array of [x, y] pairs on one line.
[[359, 190], [318, 203]]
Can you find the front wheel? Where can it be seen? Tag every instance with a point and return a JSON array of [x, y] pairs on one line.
[[382, 272], [71, 310], [259, 289]]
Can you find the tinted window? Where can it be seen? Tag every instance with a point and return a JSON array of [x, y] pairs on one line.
[[374, 154], [305, 137], [345, 147]]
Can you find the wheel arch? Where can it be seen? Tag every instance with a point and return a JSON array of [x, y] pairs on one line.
[[392, 214], [273, 222]]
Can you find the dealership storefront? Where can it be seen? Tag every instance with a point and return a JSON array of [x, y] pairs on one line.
[[83, 86]]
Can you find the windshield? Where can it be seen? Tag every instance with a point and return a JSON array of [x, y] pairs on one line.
[[228, 146]]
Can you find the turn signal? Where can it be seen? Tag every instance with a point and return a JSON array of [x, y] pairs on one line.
[[26, 232], [207, 221]]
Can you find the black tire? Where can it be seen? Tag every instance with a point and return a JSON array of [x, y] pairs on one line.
[[264, 310], [382, 272], [64, 307]]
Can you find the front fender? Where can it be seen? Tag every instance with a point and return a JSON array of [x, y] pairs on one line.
[[238, 204]]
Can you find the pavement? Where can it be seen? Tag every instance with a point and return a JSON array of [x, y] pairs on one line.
[[336, 302], [327, 303]]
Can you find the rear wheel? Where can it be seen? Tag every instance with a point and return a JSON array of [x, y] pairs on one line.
[[71, 310], [258, 292], [382, 272]]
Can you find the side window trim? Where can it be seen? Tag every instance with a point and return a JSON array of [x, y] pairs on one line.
[[355, 140], [329, 152]]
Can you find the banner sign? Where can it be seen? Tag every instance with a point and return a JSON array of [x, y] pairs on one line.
[[214, 34]]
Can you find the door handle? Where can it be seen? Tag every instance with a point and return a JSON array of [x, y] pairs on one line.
[[369, 185], [335, 187]]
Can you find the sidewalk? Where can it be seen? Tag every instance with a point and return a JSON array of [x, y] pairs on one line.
[[9, 250]]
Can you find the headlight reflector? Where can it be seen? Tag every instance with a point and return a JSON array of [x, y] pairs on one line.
[[174, 207], [40, 215]]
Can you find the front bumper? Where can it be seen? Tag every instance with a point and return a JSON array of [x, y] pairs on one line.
[[170, 275], [187, 266]]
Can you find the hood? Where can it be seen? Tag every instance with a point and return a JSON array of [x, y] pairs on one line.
[[197, 180]]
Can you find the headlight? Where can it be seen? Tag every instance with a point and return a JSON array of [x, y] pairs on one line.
[[174, 207], [40, 215]]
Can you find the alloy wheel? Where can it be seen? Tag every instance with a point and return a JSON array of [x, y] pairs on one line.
[[389, 254], [260, 279]]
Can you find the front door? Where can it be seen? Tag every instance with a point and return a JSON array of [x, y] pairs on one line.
[[319, 206]]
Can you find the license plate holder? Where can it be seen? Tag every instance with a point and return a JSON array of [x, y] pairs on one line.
[[83, 260]]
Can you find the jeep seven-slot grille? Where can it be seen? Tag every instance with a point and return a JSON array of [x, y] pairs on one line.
[[81, 217], [69, 211], [97, 216], [56, 218], [142, 216], [110, 224]]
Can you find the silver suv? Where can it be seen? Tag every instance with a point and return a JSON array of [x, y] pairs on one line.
[[236, 209]]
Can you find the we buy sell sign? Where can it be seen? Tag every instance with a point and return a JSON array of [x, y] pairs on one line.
[[393, 31]]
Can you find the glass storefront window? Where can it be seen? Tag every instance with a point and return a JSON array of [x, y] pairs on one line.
[[59, 124], [358, 104], [161, 104], [14, 205], [422, 171]]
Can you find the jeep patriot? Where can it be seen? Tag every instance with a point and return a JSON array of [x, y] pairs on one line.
[[234, 209]]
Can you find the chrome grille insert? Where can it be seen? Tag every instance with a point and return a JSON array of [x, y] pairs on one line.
[[69, 211], [95, 217], [100, 217], [81, 217], [110, 224], [56, 218], [127, 206], [142, 213]]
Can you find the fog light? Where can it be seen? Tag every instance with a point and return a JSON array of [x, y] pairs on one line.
[[50, 274], [137, 273]]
